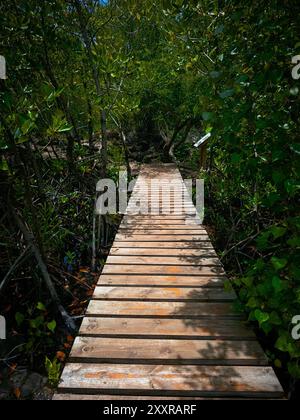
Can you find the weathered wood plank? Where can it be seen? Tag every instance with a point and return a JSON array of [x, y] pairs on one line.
[[158, 245], [161, 232], [167, 212], [171, 380], [161, 219], [160, 309], [163, 270], [163, 293], [163, 281], [161, 238], [82, 397], [209, 329], [161, 252], [149, 260], [165, 226], [171, 351]]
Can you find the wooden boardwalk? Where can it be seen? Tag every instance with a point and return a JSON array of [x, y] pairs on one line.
[[160, 324]]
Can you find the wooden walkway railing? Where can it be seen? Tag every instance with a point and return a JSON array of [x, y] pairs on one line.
[[160, 324]]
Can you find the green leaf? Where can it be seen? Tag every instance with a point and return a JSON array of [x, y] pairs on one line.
[[252, 302], [294, 369], [215, 74], [295, 148], [277, 283], [235, 158], [291, 186], [263, 241], [294, 241], [4, 166], [279, 263], [41, 307], [226, 93], [219, 29], [65, 128], [282, 342], [20, 318], [275, 318], [27, 126], [261, 317], [37, 322], [51, 326], [277, 231], [207, 116]]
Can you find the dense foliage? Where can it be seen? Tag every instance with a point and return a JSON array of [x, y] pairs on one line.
[[93, 85]]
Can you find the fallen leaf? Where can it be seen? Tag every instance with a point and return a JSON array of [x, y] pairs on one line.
[[12, 368], [60, 355], [84, 270], [17, 393]]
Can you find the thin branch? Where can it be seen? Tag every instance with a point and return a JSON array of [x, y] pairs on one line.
[[29, 237], [19, 260]]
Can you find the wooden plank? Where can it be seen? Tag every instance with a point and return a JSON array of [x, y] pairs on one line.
[[163, 226], [163, 293], [162, 261], [152, 217], [101, 397], [162, 238], [163, 281], [228, 329], [163, 270], [167, 224], [171, 205], [178, 210], [169, 227], [190, 245], [161, 252], [168, 380], [171, 351], [161, 232], [160, 309], [157, 204], [163, 199]]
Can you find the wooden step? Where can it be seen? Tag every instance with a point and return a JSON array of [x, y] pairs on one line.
[[182, 238], [160, 309], [163, 293], [168, 380], [164, 270], [163, 252], [170, 351], [157, 245], [154, 260], [169, 227], [161, 280], [206, 328]]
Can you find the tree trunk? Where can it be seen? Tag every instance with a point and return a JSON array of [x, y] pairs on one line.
[[29, 237], [62, 103], [103, 144], [88, 42], [170, 144]]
